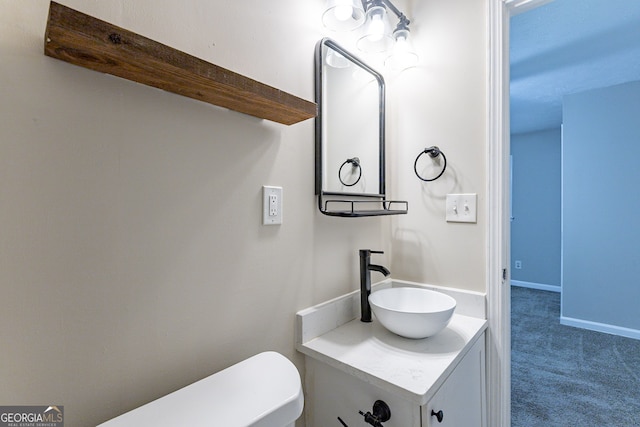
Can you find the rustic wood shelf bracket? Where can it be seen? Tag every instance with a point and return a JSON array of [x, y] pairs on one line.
[[83, 40]]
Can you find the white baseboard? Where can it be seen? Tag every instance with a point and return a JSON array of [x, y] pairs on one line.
[[600, 327], [539, 286]]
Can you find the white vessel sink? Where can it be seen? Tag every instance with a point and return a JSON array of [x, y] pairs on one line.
[[412, 312]]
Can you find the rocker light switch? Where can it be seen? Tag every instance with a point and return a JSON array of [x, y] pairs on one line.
[[461, 207]]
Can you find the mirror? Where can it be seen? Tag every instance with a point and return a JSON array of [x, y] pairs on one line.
[[350, 136]]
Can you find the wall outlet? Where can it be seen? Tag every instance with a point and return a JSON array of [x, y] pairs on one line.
[[271, 205], [518, 265]]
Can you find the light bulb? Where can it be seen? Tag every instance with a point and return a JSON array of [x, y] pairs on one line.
[[376, 37], [376, 28], [402, 56], [401, 42], [343, 10], [343, 15]]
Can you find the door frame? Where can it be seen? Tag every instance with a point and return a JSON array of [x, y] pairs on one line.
[[498, 338]]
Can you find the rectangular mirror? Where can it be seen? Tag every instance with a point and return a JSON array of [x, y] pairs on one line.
[[350, 136]]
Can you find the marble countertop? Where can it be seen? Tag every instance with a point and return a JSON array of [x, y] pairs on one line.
[[414, 369]]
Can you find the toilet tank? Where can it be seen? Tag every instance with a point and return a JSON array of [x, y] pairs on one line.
[[262, 391]]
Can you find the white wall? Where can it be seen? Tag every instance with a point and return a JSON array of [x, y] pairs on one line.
[[442, 103], [132, 256]]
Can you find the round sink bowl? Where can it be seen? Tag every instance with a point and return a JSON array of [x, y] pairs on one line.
[[412, 312]]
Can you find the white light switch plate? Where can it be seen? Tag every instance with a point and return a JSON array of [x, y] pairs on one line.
[[271, 205], [462, 207]]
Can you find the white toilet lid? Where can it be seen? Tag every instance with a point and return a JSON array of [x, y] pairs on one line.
[[261, 391]]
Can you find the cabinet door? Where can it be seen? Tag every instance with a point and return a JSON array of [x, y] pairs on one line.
[[330, 393], [462, 396]]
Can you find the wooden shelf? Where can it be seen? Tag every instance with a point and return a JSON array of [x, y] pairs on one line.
[[83, 40]]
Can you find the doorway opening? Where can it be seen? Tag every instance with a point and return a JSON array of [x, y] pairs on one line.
[[562, 369]]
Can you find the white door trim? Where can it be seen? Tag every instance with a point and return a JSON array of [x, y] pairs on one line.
[[498, 240], [498, 295]]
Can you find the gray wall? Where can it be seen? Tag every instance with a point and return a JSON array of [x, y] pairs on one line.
[[536, 202], [600, 175]]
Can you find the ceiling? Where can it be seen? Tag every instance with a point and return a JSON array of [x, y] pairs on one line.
[[569, 46]]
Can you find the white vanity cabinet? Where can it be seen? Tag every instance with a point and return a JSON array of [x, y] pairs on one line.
[[331, 393], [349, 365], [461, 399]]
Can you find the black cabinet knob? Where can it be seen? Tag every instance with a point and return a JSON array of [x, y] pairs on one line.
[[439, 415]]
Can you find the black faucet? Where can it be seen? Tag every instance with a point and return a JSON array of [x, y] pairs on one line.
[[365, 281]]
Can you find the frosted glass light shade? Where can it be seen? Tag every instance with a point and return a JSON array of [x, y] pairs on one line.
[[343, 15], [403, 55], [377, 33], [336, 60]]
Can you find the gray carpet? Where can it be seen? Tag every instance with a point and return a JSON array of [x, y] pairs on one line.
[[569, 377]]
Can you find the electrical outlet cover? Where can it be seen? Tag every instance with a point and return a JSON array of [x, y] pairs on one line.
[[271, 205]]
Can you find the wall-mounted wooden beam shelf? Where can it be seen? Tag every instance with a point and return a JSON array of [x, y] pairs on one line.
[[83, 40]]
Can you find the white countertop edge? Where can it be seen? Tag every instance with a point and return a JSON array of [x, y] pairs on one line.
[[418, 397]]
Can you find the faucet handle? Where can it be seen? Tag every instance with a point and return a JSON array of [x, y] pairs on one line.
[[367, 252]]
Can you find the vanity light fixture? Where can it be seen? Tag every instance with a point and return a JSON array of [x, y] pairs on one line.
[[402, 56], [376, 37], [343, 15]]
